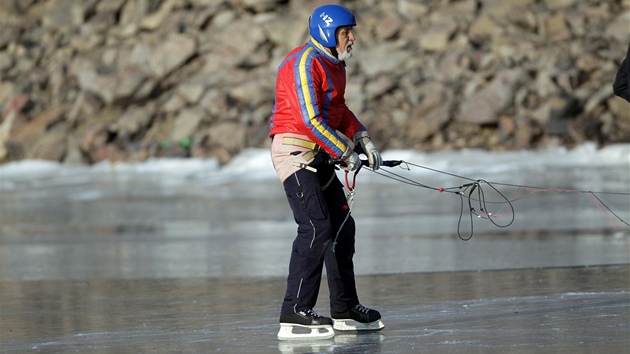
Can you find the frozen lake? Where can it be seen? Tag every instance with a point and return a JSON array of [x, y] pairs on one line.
[[189, 256]]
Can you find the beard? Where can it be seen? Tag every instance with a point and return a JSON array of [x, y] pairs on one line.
[[345, 55]]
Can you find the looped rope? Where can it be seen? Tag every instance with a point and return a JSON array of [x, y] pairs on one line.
[[350, 199], [478, 203]]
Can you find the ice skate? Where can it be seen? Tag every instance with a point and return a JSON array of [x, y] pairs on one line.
[[359, 318], [305, 325]]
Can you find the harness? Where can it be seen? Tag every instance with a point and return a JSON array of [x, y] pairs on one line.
[[313, 148]]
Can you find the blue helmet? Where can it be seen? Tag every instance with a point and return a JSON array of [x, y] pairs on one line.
[[325, 20]]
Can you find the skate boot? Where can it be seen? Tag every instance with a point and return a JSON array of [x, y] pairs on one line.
[[307, 325], [359, 318]]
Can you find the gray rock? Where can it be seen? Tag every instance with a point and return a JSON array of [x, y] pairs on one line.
[[437, 36], [186, 123], [385, 58], [133, 120], [485, 105]]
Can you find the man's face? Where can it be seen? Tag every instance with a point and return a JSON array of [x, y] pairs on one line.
[[345, 40]]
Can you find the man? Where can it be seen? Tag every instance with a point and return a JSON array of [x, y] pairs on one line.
[[621, 86], [308, 115]]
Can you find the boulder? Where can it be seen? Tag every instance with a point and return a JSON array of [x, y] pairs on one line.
[[486, 105]]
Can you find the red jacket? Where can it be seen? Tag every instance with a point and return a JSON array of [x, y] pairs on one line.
[[310, 99]]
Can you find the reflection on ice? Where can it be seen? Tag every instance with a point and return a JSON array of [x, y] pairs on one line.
[[581, 309]]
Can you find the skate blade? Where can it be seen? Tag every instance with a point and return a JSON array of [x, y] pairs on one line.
[[351, 325], [304, 332]]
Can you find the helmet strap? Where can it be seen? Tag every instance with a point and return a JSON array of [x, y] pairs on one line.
[[334, 52]]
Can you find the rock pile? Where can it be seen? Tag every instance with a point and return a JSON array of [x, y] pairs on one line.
[[84, 81]]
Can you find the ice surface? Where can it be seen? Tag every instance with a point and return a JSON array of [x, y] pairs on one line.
[[178, 255]]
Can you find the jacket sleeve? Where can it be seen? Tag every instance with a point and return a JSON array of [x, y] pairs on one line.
[[350, 125], [621, 86]]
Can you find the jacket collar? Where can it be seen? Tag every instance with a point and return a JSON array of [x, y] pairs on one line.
[[320, 48]]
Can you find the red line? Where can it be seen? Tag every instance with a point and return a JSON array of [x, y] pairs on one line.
[[597, 202]]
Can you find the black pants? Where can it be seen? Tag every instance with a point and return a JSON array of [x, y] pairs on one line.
[[319, 214]]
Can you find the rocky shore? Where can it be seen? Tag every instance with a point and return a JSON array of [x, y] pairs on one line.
[[126, 80]]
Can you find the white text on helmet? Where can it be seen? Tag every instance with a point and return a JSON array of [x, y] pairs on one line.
[[327, 19]]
